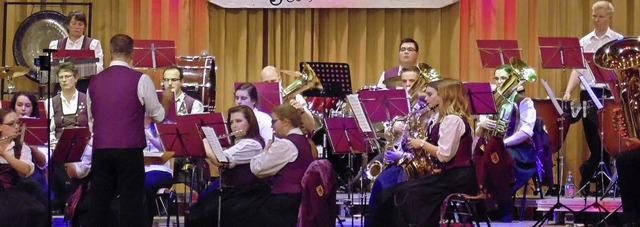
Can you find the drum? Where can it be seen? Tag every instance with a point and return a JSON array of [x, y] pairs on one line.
[[197, 71], [550, 117], [320, 104]]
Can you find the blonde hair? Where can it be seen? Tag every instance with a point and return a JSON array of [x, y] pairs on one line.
[[603, 5], [454, 97]]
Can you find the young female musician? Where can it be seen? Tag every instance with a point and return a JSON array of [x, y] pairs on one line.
[[417, 202], [238, 183], [18, 203]]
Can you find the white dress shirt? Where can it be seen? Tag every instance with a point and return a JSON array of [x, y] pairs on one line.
[[94, 45], [590, 44], [83, 167], [451, 129], [197, 106], [146, 94], [281, 152], [264, 123], [25, 156], [242, 151]]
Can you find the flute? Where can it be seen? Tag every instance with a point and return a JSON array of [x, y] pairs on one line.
[[230, 134]]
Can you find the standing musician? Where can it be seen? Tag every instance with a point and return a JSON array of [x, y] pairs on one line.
[[18, 202], [117, 101], [247, 94], [172, 78], [602, 14], [417, 202], [69, 110], [521, 152], [76, 25], [407, 57], [285, 161], [239, 184]]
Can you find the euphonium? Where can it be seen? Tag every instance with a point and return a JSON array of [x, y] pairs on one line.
[[426, 76], [307, 80], [623, 56], [505, 94]]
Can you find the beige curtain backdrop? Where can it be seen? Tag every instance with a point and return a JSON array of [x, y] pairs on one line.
[[245, 40]]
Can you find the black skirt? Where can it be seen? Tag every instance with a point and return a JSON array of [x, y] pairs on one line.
[[21, 209]]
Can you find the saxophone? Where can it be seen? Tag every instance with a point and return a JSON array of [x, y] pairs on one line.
[[504, 96]]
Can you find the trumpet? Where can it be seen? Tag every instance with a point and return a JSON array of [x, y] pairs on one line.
[[235, 133]]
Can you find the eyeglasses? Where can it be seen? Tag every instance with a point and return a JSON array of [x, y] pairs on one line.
[[500, 78], [274, 121], [171, 80], [409, 49], [12, 124], [65, 77]]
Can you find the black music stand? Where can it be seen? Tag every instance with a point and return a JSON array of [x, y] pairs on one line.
[[153, 54], [71, 145], [268, 95], [384, 105], [560, 123], [335, 78], [37, 131], [494, 53]]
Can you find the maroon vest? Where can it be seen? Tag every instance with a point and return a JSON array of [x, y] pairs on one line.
[[289, 178], [395, 71], [8, 175], [462, 157], [62, 43], [188, 101], [118, 116], [78, 119], [240, 174]]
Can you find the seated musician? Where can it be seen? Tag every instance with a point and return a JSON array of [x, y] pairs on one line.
[[76, 25], [156, 176], [417, 202], [26, 106], [285, 161], [238, 183], [18, 198], [628, 166], [271, 74], [519, 145], [247, 94], [407, 58], [393, 174], [173, 78], [68, 111]]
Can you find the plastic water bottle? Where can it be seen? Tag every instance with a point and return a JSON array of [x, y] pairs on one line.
[[569, 187]]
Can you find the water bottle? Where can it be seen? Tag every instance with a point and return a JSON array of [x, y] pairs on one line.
[[569, 187]]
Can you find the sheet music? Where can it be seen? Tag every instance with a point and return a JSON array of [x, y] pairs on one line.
[[587, 88], [358, 112], [551, 96], [152, 154], [211, 136]]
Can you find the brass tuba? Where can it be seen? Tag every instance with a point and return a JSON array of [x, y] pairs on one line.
[[623, 56], [426, 76], [505, 94], [307, 80]]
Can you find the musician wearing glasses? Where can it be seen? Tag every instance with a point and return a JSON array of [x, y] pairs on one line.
[[602, 14], [172, 78], [498, 179], [247, 94], [20, 201], [76, 25], [285, 161], [408, 54], [239, 184], [417, 202]]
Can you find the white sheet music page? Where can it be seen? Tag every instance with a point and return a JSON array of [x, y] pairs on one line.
[[358, 112], [212, 138], [587, 88], [551, 96]]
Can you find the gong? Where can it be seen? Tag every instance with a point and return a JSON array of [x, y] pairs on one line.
[[34, 34]]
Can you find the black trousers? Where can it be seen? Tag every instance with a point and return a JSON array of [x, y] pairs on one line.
[[628, 164], [591, 132], [117, 172]]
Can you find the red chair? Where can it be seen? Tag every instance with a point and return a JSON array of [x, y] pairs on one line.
[[318, 207]]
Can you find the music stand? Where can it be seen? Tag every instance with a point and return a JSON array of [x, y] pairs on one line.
[[384, 105], [561, 53], [480, 99], [494, 53], [560, 123], [335, 78], [268, 95], [152, 54], [71, 145], [37, 131], [214, 120], [344, 135]]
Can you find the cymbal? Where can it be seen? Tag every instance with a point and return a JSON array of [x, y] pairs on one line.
[[395, 81], [14, 71]]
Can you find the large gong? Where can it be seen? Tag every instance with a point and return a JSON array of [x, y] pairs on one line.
[[34, 34]]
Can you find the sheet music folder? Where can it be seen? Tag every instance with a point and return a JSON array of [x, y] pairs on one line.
[[212, 138], [71, 145]]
